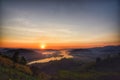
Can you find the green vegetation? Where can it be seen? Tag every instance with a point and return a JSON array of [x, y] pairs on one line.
[[6, 62], [10, 70], [90, 75], [7, 73], [67, 69], [103, 69], [15, 69], [15, 57], [23, 61]]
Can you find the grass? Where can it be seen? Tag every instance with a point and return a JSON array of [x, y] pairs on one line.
[[7, 73], [10, 70], [89, 71], [94, 75], [14, 71]]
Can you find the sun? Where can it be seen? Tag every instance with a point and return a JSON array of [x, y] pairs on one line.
[[42, 46]]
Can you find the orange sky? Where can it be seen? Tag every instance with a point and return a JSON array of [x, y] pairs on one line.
[[29, 24], [55, 45]]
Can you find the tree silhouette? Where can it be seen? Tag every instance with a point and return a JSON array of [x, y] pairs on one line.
[[23, 60], [118, 54], [15, 57], [98, 59]]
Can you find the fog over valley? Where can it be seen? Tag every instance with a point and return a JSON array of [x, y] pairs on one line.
[[42, 56]]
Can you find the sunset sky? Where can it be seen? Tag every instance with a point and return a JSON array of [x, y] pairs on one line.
[[59, 23]]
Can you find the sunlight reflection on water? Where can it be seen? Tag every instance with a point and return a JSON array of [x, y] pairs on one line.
[[63, 54]]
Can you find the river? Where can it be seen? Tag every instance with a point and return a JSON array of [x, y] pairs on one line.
[[63, 54]]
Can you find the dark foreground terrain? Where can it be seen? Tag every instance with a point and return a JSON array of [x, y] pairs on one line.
[[102, 68], [68, 69]]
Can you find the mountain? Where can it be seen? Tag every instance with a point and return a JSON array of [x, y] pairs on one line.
[[69, 69], [29, 54], [84, 54], [93, 53], [104, 66]]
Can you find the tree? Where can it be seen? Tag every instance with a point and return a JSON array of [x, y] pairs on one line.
[[23, 60], [98, 59], [118, 54], [15, 57]]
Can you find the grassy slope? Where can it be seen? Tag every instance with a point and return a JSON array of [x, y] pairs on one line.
[[108, 69], [14, 71], [13, 74]]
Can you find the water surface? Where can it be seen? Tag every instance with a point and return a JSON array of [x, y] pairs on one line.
[[61, 55]]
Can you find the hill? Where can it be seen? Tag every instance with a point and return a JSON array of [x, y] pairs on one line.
[[103, 69], [68, 69], [29, 54], [10, 70]]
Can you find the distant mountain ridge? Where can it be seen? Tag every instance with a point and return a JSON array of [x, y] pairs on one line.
[[79, 53], [29, 54], [88, 54]]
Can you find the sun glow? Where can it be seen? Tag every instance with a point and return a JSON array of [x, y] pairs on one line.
[[42, 46]]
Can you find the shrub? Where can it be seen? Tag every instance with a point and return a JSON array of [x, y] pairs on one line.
[[98, 59], [43, 76], [23, 61], [15, 57], [23, 68], [6, 62]]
